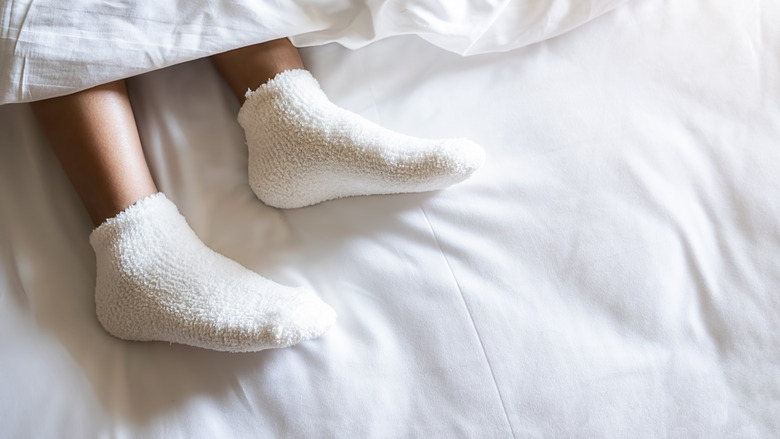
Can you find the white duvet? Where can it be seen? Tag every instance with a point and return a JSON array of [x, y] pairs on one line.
[[613, 271], [54, 47]]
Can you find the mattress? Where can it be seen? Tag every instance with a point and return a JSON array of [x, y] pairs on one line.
[[611, 271]]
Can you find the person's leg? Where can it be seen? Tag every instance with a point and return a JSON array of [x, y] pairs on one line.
[[303, 149], [250, 67], [94, 136], [155, 279]]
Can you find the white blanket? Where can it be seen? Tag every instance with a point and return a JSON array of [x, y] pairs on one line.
[[54, 47], [612, 271]]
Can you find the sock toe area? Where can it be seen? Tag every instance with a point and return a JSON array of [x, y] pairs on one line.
[[465, 156], [304, 317]]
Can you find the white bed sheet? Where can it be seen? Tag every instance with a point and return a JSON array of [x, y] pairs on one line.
[[612, 271]]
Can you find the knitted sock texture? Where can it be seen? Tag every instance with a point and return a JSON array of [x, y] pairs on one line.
[[303, 149], [157, 281]]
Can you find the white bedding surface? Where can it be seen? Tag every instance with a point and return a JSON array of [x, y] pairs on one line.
[[612, 271], [54, 47]]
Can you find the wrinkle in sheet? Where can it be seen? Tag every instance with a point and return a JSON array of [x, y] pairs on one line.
[[23, 79], [240, 393], [473, 323], [22, 22], [186, 34], [21, 85], [706, 326], [15, 267], [497, 13]]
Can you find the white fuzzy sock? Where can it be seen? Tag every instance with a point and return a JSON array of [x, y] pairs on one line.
[[303, 149], [157, 281]]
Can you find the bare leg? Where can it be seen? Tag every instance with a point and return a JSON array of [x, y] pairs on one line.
[[94, 136], [249, 67]]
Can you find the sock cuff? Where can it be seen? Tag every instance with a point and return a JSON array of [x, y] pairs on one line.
[[154, 208], [290, 88], [283, 81]]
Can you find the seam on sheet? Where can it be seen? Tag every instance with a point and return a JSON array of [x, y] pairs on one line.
[[446, 261], [471, 317]]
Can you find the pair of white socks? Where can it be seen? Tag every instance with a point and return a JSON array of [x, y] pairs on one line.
[[157, 281]]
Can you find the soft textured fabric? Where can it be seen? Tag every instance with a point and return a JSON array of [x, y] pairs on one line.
[[303, 149], [156, 281], [51, 47]]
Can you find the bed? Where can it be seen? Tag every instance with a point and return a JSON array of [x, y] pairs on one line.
[[612, 271]]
